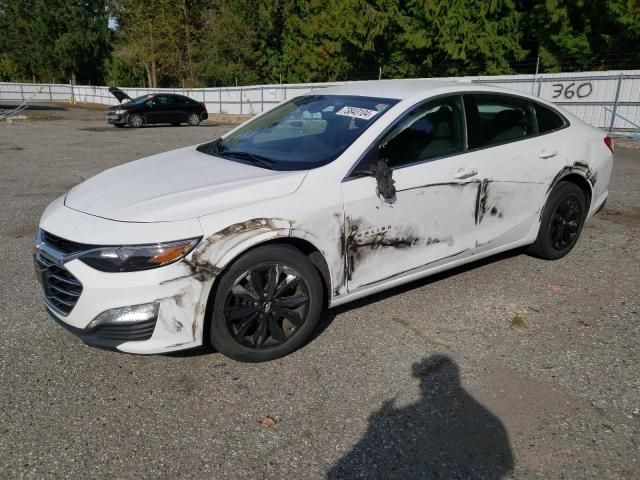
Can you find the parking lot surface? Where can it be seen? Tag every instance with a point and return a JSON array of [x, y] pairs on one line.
[[513, 367]]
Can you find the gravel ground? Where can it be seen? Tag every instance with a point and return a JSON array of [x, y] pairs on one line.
[[510, 368]]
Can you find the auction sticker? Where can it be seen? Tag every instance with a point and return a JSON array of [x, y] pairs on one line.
[[355, 112]]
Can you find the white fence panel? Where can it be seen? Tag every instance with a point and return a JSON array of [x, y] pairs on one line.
[[591, 96]]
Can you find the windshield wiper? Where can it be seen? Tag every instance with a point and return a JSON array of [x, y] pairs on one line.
[[254, 158], [210, 148]]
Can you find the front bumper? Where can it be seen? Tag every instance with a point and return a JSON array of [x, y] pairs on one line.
[[114, 118], [181, 298]]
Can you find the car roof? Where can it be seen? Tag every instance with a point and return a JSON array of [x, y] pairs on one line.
[[396, 89]]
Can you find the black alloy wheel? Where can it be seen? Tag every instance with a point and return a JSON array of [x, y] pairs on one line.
[[266, 304], [562, 219], [565, 223]]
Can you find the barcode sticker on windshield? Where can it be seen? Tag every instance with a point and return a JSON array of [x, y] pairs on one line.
[[356, 112]]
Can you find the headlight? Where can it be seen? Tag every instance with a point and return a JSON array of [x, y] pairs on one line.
[[120, 111], [138, 257]]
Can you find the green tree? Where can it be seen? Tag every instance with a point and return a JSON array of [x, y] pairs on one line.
[[54, 41]]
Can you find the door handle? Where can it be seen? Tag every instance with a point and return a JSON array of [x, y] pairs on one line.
[[465, 173], [547, 153]]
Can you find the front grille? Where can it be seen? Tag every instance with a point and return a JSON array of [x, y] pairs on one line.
[[60, 288], [63, 245], [126, 333]]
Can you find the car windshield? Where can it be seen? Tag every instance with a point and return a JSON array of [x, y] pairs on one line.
[[301, 134]]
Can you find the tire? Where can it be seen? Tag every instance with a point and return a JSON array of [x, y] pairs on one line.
[[136, 120], [250, 322], [193, 119], [562, 220]]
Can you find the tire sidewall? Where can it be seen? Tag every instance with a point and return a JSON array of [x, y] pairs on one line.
[[219, 334], [193, 124], [558, 194]]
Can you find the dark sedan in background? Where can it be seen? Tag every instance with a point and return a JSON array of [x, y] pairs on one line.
[[155, 108]]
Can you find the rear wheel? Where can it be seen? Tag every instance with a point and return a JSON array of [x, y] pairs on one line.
[[266, 305], [562, 220], [193, 119], [136, 120]]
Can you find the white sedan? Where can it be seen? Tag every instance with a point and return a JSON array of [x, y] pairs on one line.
[[329, 197]]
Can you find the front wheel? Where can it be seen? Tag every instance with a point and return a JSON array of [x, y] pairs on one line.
[[193, 119], [266, 305], [136, 120], [562, 220]]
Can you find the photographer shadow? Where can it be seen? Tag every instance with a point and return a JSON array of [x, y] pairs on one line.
[[446, 434]]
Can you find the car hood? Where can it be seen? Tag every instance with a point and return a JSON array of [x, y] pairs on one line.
[[178, 185]]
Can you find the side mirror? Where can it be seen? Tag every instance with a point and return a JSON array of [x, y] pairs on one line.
[[375, 165], [385, 184]]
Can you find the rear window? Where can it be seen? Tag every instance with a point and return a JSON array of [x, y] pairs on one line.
[[548, 120], [499, 119]]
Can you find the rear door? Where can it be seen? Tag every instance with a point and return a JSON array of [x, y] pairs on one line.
[[181, 107], [515, 162]]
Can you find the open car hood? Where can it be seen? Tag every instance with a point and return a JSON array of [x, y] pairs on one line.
[[178, 185], [119, 94]]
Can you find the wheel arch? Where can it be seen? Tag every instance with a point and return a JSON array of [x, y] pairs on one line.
[[578, 178], [308, 248]]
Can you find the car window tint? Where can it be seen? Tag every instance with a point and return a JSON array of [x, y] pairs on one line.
[[431, 130], [504, 118], [548, 120], [181, 99], [162, 100]]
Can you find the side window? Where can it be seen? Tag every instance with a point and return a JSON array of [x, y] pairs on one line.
[[548, 120], [500, 119], [161, 100], [430, 130]]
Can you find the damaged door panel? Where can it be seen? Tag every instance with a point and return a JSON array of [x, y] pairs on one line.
[[515, 179]]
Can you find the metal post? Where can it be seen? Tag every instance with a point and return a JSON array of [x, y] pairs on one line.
[[21, 92], [240, 100], [219, 100], [539, 85], [533, 84], [615, 103], [261, 99], [50, 95], [285, 93]]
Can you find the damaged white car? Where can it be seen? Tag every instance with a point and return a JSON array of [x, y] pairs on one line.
[[332, 196]]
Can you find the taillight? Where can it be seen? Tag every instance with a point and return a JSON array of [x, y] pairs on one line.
[[608, 141]]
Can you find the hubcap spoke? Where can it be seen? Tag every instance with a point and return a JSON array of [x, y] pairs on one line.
[[256, 283], [276, 330], [291, 315], [290, 281], [292, 302], [241, 329], [236, 313], [261, 332], [245, 294], [272, 280]]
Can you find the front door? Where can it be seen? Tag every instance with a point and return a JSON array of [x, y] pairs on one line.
[[432, 215]]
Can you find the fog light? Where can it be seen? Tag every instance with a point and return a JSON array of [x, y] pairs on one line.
[[126, 315]]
